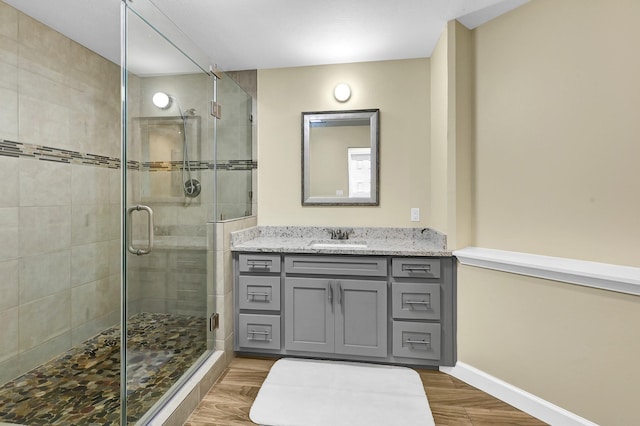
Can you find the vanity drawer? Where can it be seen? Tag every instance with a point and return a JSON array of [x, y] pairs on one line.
[[416, 340], [259, 262], [259, 331], [336, 265], [256, 292], [418, 301], [415, 268]]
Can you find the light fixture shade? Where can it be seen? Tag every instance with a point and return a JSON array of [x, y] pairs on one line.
[[161, 100], [342, 92]]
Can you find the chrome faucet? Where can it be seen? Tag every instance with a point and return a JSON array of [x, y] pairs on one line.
[[340, 234]]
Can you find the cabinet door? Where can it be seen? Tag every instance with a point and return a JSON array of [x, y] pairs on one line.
[[309, 316], [361, 317]]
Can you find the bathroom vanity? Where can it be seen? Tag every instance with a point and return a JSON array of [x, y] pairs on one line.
[[384, 295]]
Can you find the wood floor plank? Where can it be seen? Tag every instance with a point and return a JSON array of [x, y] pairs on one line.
[[465, 398], [232, 393], [431, 378], [484, 417], [450, 416], [261, 364], [225, 405], [244, 377]]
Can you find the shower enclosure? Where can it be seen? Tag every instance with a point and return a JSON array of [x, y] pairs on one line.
[[168, 198], [108, 204]]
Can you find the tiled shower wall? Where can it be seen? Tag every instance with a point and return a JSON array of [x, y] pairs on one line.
[[59, 220]]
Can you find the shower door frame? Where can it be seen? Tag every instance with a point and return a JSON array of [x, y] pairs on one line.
[[148, 9]]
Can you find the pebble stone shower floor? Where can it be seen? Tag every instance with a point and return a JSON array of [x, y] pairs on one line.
[[82, 386]]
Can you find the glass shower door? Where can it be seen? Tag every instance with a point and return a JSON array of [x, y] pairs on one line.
[[168, 190]]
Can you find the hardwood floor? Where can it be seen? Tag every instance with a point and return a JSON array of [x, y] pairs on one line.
[[452, 401]]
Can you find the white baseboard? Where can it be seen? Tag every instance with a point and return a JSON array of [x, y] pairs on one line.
[[522, 400]]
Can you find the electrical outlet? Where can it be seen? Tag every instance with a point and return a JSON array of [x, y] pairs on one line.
[[415, 214]]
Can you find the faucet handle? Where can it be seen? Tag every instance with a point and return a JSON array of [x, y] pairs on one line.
[[340, 234]]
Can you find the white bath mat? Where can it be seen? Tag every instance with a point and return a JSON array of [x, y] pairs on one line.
[[332, 393]]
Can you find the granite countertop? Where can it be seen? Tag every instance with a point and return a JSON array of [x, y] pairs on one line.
[[361, 241]]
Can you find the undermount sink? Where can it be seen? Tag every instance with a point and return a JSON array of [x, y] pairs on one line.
[[340, 244]]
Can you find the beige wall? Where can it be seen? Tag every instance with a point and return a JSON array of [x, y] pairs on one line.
[[555, 173], [451, 134], [400, 89], [439, 133], [576, 347], [460, 204], [558, 108]]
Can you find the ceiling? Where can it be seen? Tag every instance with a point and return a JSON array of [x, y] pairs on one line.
[[258, 34]]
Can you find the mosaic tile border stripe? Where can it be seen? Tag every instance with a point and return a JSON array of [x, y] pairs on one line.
[[199, 165], [45, 153]]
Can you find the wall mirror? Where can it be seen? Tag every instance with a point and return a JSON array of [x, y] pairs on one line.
[[340, 158]]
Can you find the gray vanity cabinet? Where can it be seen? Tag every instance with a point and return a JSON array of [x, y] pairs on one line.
[[387, 309], [341, 316]]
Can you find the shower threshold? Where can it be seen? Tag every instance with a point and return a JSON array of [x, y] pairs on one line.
[[82, 386]]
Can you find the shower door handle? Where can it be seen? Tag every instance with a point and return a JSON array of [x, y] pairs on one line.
[[139, 251]]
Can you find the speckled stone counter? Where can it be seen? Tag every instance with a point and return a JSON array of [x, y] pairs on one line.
[[378, 241]]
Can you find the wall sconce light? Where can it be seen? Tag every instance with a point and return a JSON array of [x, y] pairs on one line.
[[342, 92], [161, 100]]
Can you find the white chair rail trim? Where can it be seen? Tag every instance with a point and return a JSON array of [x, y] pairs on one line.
[[622, 279]]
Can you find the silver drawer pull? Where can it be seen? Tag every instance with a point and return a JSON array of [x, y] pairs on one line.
[[264, 335], [418, 302], [259, 264], [254, 294], [416, 268], [418, 342]]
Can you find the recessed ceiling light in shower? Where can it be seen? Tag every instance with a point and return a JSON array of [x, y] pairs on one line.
[[161, 100]]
